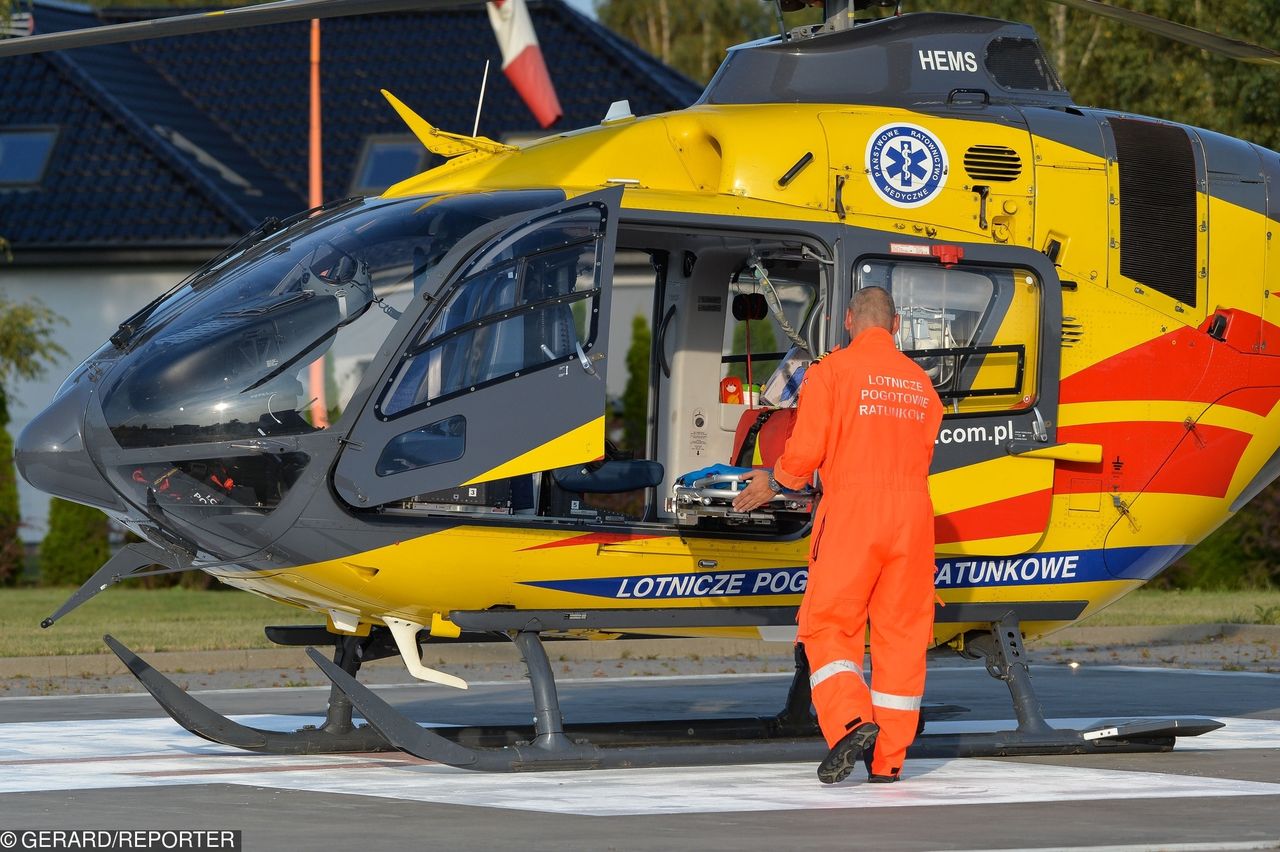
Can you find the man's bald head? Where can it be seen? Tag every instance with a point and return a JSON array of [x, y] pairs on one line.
[[871, 307]]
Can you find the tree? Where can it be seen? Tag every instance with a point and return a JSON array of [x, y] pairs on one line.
[[635, 397], [692, 37], [1111, 65], [1103, 63], [76, 544], [27, 348]]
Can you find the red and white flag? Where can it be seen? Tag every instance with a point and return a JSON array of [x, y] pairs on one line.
[[522, 59]]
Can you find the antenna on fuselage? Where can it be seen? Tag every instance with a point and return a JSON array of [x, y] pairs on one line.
[[484, 81]]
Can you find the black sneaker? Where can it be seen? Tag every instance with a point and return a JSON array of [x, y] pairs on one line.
[[839, 762]]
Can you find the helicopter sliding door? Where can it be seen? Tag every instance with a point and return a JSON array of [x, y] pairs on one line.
[[976, 320], [504, 372]]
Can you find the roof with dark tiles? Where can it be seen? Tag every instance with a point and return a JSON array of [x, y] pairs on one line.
[[191, 141]]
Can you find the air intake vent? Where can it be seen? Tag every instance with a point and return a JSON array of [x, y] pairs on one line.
[[993, 163], [1020, 63], [1157, 207], [1072, 331]]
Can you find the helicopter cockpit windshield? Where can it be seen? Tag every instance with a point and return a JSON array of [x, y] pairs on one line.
[[227, 356]]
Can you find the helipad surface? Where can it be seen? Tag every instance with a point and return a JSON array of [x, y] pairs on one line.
[[114, 761]]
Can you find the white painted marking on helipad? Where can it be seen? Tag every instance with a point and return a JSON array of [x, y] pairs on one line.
[[141, 753], [1146, 847], [759, 788], [1159, 670]]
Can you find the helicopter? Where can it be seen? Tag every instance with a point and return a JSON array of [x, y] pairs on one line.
[[1088, 291]]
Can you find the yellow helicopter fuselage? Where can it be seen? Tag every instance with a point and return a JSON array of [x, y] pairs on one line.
[[1163, 419]]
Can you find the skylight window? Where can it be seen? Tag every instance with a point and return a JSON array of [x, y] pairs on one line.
[[386, 160], [24, 154]]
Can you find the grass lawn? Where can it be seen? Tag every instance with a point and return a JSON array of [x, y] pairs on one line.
[[174, 619], [185, 620], [1190, 607]]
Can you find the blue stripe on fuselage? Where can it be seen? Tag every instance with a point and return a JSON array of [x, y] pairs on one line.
[[954, 572]]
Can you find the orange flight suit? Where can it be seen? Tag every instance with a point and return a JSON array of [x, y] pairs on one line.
[[867, 420]]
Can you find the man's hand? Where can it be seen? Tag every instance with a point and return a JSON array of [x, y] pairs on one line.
[[757, 492]]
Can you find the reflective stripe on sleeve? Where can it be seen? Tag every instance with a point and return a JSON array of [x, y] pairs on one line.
[[889, 701], [833, 668]]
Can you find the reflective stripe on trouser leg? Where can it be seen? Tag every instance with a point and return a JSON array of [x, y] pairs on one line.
[[833, 668], [889, 701], [840, 695]]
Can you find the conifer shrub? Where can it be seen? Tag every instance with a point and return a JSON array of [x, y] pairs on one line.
[[11, 549], [76, 544]]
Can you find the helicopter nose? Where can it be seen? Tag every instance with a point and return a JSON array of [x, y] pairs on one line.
[[51, 456]]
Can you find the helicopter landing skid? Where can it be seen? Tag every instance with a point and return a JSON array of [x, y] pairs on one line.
[[791, 735], [337, 735], [788, 737], [1006, 660]]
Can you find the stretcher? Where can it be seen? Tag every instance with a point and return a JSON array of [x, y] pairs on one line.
[[708, 493]]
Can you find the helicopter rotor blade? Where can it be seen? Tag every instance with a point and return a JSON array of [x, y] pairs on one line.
[[284, 11], [1212, 42]]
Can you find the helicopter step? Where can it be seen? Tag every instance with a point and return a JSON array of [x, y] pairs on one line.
[[787, 737]]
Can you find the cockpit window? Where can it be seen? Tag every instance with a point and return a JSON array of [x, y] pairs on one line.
[[275, 339]]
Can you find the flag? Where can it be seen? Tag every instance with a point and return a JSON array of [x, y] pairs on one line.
[[522, 59], [19, 24]]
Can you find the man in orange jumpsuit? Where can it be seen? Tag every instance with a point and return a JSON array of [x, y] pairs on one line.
[[867, 420]]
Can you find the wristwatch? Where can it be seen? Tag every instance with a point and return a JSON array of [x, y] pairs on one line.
[[774, 485]]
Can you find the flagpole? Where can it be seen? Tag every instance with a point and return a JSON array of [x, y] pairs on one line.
[[315, 194]]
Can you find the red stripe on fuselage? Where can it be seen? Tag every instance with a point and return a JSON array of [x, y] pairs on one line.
[[590, 538], [1183, 365], [1153, 456], [1257, 401], [1026, 513], [1171, 366]]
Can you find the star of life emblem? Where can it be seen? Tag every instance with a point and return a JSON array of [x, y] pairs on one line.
[[906, 164]]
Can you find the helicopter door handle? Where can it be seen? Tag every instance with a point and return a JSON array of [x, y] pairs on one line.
[[983, 93], [662, 342], [983, 192], [585, 361]]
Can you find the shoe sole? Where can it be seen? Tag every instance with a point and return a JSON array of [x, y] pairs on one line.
[[844, 761]]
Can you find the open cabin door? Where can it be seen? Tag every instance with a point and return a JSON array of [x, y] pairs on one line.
[[504, 373]]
